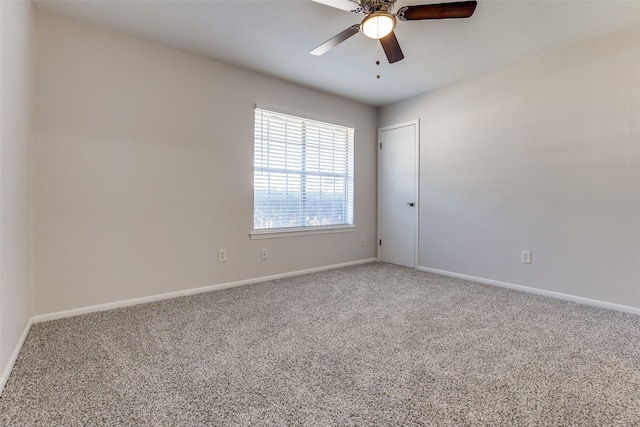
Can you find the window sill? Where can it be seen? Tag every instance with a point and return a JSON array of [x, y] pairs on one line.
[[277, 233]]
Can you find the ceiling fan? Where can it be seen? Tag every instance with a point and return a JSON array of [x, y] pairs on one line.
[[380, 22]]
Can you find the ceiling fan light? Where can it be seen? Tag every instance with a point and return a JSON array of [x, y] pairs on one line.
[[378, 25]]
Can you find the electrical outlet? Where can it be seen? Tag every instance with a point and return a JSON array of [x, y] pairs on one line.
[[222, 255], [525, 257], [263, 255]]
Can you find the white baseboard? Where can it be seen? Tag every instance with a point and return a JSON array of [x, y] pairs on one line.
[[552, 294], [143, 300], [14, 356]]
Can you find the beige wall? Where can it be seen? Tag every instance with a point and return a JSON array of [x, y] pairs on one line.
[[545, 156], [15, 177], [143, 170]]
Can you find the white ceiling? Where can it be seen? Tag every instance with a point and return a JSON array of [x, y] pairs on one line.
[[275, 36]]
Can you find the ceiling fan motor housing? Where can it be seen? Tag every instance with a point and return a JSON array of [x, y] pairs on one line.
[[372, 6]]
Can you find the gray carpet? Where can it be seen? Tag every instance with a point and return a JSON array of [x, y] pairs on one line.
[[367, 345]]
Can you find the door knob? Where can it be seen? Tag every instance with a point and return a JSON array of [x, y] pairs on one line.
[[410, 204]]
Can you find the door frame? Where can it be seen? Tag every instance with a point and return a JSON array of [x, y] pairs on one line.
[[416, 196]]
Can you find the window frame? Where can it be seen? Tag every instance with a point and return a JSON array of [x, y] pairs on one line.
[[266, 233]]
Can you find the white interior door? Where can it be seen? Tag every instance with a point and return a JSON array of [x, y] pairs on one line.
[[398, 194]]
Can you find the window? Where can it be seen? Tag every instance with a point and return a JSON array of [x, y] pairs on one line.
[[303, 173]]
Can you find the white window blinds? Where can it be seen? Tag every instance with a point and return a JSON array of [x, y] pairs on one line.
[[303, 172]]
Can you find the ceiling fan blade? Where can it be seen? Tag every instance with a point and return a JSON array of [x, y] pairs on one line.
[[347, 5], [461, 9], [392, 48], [335, 41]]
